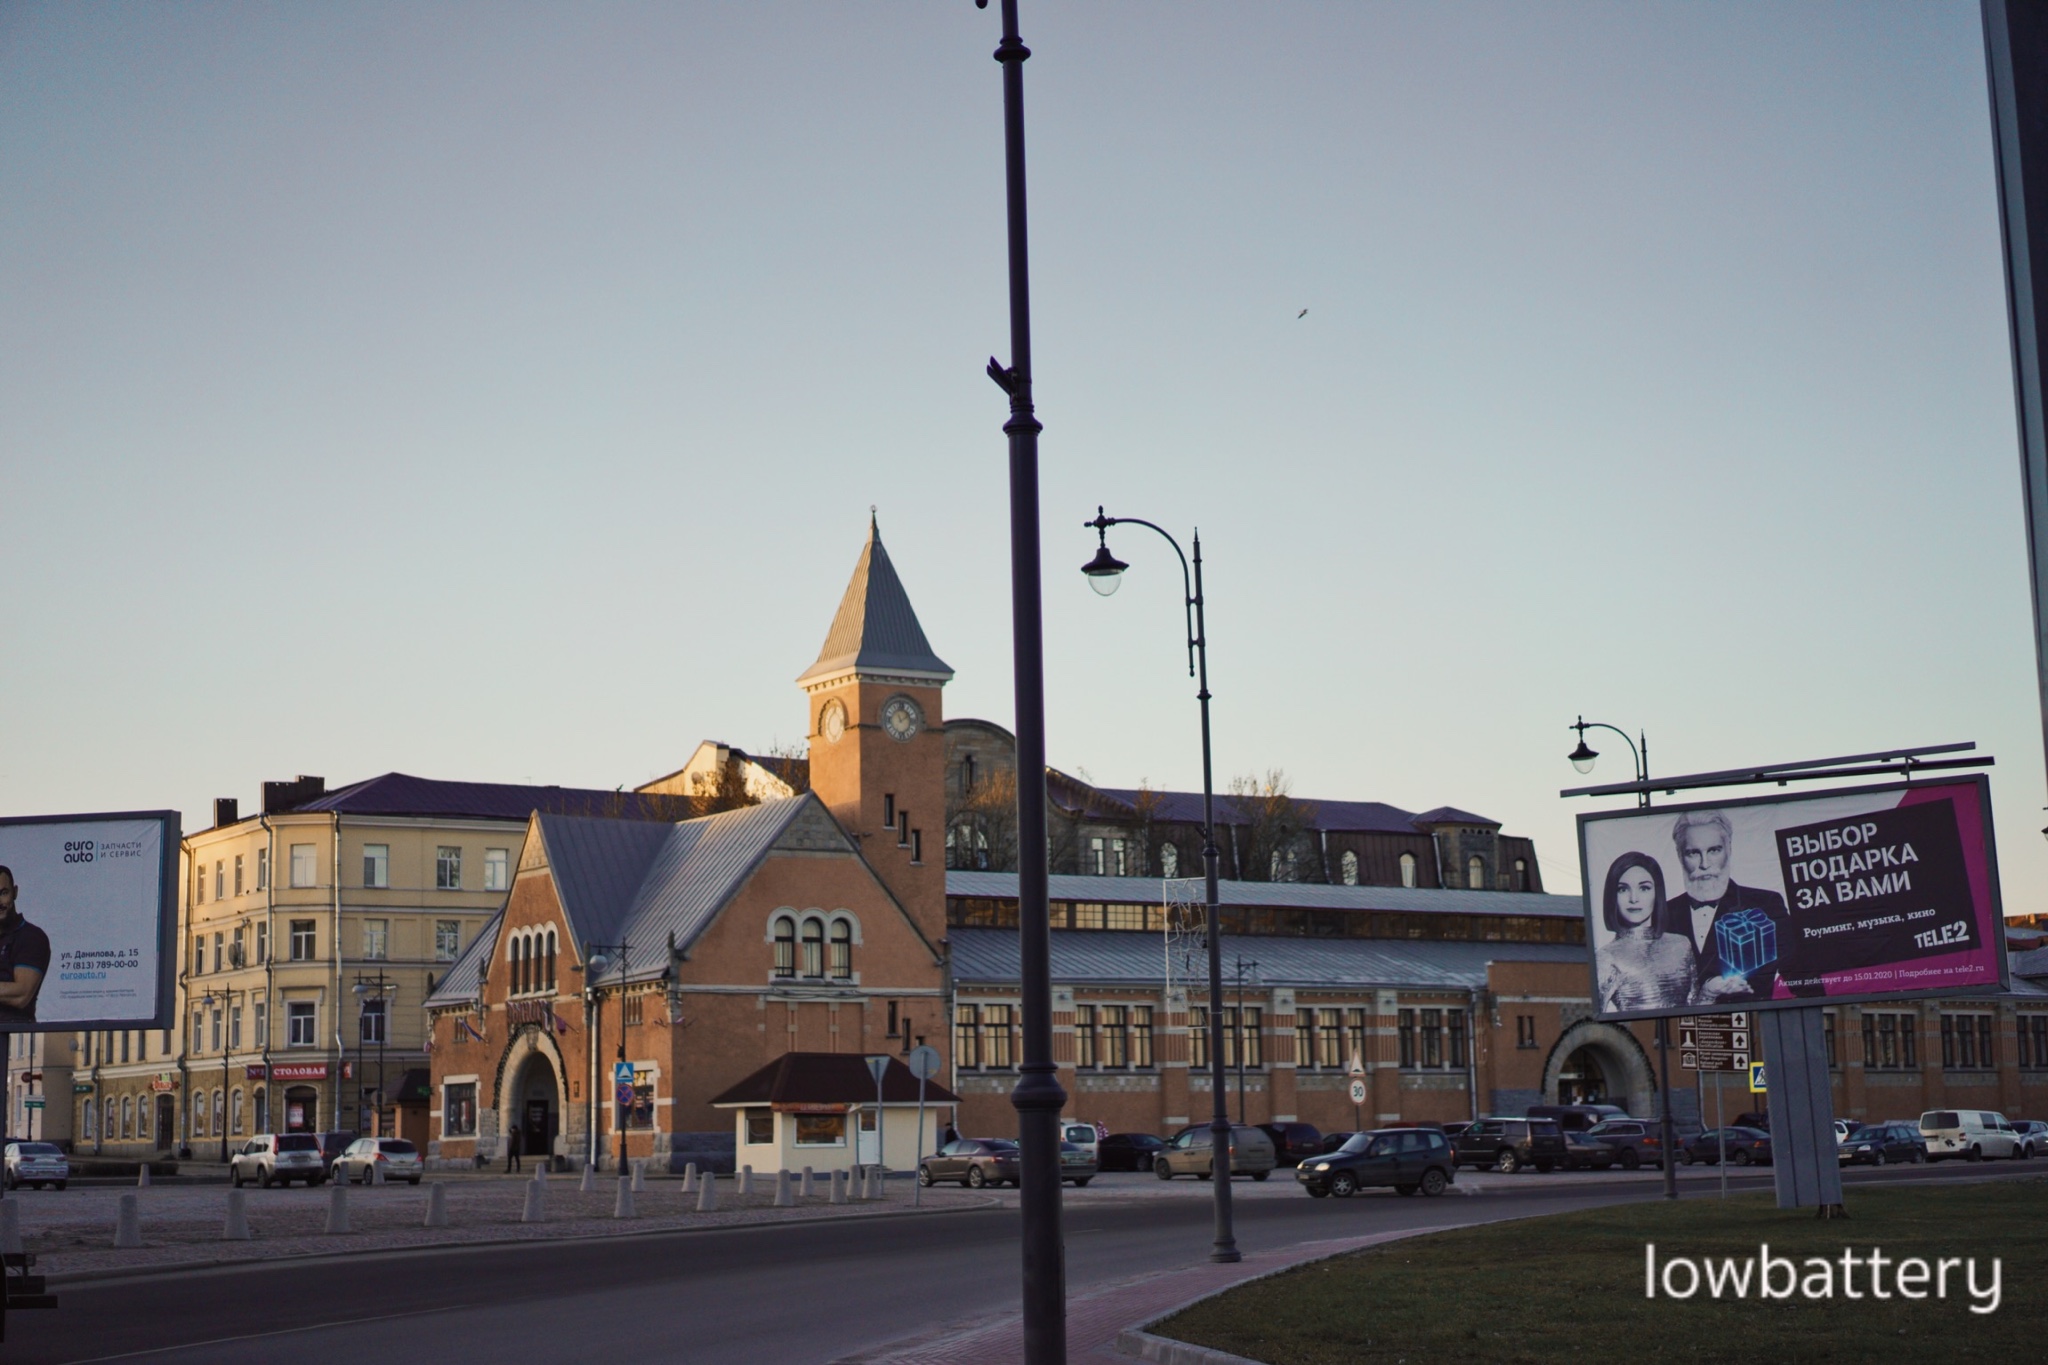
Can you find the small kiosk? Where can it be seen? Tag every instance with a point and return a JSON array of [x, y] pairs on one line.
[[818, 1109]]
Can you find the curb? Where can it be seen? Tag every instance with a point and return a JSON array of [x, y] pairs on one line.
[[60, 1278], [1166, 1351]]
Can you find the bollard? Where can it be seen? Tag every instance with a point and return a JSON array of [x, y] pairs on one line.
[[540, 1175], [128, 1230], [589, 1178], [622, 1207], [838, 1195], [376, 1173], [536, 1210], [237, 1228], [640, 1177], [707, 1194], [10, 1226], [878, 1184], [142, 1176], [746, 1180], [690, 1178], [437, 1205], [805, 1192], [782, 1199], [337, 1208]]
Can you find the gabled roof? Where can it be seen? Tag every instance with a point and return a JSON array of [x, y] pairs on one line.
[[875, 627], [404, 794], [830, 1078], [464, 979], [1451, 815]]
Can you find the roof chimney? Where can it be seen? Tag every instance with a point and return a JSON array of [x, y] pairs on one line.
[[226, 810], [284, 796]]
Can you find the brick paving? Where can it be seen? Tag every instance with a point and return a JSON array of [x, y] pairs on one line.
[[72, 1232]]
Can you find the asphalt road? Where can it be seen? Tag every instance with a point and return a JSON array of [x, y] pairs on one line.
[[787, 1294]]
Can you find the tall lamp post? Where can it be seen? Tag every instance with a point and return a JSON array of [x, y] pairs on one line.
[[367, 988], [602, 955], [1639, 749], [1105, 572], [1239, 1029], [1039, 1097], [225, 1001]]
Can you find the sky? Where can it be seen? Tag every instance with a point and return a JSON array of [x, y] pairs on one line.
[[498, 391]]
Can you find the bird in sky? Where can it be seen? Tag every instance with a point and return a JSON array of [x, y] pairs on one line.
[[1302, 314]]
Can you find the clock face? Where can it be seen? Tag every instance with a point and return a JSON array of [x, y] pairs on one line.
[[901, 718], [832, 721]]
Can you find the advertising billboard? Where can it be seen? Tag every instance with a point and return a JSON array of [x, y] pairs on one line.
[[1872, 893], [88, 921]]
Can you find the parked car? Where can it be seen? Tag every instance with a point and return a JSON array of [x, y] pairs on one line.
[[1251, 1153], [1332, 1141], [1972, 1134], [1507, 1145], [1636, 1142], [400, 1159], [1745, 1146], [1293, 1141], [974, 1162], [2033, 1135], [332, 1145], [1127, 1151], [37, 1164], [1760, 1122], [1451, 1130], [1407, 1159], [1584, 1152], [1842, 1130], [1877, 1143], [1577, 1118], [1077, 1163], [278, 1159]]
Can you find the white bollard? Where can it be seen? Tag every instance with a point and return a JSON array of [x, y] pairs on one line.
[[237, 1227], [640, 1177], [690, 1178], [622, 1207], [128, 1228], [376, 1173], [806, 1191], [707, 1193], [10, 1226], [142, 1176], [838, 1194], [536, 1210], [878, 1184], [437, 1205], [746, 1180], [782, 1193], [337, 1208], [589, 1178]]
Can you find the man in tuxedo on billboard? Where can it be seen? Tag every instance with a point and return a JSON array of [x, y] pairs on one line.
[[1705, 840]]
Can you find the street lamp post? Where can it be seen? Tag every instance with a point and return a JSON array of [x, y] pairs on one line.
[[1038, 1097], [1639, 749], [600, 961], [1239, 1030], [366, 987], [1104, 572], [220, 1119]]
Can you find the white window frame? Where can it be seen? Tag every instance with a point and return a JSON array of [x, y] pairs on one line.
[[497, 869], [305, 866], [447, 940], [448, 867], [377, 866], [376, 940], [303, 1023]]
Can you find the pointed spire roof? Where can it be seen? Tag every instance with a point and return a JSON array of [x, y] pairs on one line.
[[875, 627]]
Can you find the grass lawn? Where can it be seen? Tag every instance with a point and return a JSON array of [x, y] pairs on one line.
[[1570, 1288]]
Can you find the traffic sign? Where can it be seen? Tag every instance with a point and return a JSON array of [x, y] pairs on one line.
[[1716, 1042], [1357, 1067], [32, 1102], [923, 1062], [622, 1073], [1756, 1078], [1358, 1092], [878, 1067]]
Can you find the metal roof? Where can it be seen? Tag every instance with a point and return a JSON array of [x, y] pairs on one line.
[[831, 1078], [464, 979], [404, 794], [1276, 895], [1111, 957], [2032, 962], [875, 626]]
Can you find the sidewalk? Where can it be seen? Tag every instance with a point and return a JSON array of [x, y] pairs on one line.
[[1096, 1320]]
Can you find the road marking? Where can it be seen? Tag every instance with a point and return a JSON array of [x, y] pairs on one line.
[[258, 1336]]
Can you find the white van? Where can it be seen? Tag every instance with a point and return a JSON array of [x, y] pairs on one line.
[[1084, 1135], [1972, 1134]]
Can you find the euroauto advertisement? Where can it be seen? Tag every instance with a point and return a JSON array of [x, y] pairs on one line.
[[88, 918], [1872, 893]]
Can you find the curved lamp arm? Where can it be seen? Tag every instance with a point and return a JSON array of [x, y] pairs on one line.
[[1193, 598]]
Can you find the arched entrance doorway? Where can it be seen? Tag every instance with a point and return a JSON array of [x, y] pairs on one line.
[[1581, 1081], [1597, 1063], [166, 1121], [535, 1107]]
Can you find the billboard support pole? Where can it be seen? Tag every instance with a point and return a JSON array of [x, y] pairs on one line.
[[1804, 1164], [1664, 1097], [1720, 1135]]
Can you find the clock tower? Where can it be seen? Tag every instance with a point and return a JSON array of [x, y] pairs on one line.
[[878, 752]]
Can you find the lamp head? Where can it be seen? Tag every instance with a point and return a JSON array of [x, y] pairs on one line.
[[1105, 571], [598, 962], [1582, 757]]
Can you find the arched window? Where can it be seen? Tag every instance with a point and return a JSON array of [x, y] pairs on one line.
[[198, 1114], [127, 1116], [1521, 874], [785, 946], [814, 948], [1169, 860], [219, 1112], [1349, 865], [518, 964], [235, 1112], [142, 1116], [1407, 869], [842, 951], [549, 983], [92, 1127], [262, 1110], [1475, 872]]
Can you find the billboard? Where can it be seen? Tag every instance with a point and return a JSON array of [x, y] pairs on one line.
[[88, 921], [1871, 893]]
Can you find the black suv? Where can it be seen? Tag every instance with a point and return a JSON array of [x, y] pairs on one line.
[[1507, 1145], [1293, 1143], [1408, 1159], [1641, 1141]]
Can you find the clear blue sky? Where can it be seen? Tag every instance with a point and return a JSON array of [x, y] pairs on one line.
[[498, 392]]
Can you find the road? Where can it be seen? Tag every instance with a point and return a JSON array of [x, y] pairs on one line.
[[788, 1294]]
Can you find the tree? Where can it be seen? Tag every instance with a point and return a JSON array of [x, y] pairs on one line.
[[981, 829], [1276, 843]]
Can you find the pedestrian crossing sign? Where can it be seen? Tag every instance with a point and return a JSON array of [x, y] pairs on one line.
[[1756, 1078]]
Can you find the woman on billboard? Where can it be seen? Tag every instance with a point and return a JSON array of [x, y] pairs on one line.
[[1642, 967]]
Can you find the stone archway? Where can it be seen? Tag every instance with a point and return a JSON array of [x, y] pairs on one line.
[[533, 1092], [1591, 1055]]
